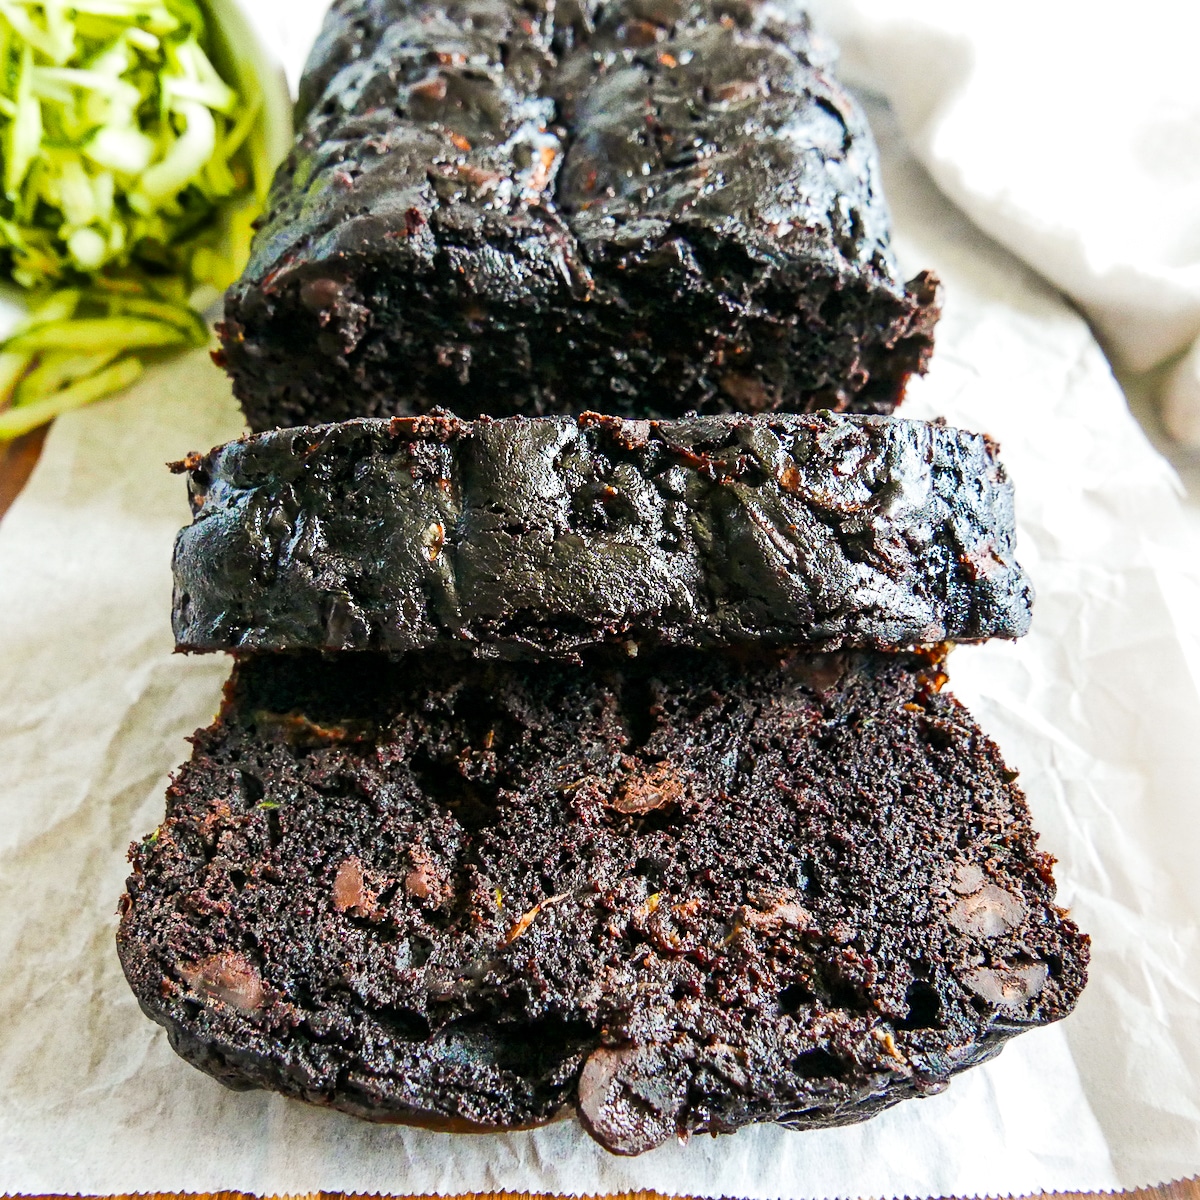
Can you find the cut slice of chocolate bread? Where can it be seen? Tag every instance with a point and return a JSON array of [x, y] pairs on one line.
[[680, 895], [540, 537], [647, 208]]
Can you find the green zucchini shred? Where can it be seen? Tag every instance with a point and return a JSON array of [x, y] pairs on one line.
[[119, 137], [119, 144]]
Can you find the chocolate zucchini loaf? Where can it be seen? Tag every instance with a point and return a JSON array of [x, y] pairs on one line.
[[680, 895], [540, 537], [640, 206]]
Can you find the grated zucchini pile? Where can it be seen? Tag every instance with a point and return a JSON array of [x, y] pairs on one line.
[[120, 146]]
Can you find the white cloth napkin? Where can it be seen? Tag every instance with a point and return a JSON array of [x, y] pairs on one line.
[[1070, 133]]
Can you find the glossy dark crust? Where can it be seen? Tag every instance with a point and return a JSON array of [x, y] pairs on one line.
[[683, 895], [644, 206], [541, 537]]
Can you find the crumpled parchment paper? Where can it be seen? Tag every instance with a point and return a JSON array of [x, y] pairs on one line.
[[1099, 708]]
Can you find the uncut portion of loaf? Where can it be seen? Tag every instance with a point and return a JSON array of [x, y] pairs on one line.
[[680, 895], [640, 206], [541, 537]]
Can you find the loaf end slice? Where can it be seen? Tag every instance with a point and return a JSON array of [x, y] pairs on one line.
[[557, 208], [679, 896]]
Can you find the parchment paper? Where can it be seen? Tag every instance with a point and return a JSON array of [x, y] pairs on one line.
[[1099, 708]]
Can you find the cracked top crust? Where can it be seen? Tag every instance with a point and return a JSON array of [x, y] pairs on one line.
[[642, 206]]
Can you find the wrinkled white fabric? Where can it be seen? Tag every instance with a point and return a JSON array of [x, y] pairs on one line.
[[1070, 133]]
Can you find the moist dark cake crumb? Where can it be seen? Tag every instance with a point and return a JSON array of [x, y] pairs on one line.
[[522, 537], [675, 895], [642, 207]]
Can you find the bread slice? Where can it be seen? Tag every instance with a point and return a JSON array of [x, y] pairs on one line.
[[675, 895], [527, 537], [507, 207]]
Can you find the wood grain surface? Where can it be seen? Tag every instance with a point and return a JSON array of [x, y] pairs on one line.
[[17, 460], [1184, 1189]]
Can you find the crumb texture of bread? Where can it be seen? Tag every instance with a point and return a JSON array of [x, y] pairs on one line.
[[676, 895], [644, 207], [542, 537]]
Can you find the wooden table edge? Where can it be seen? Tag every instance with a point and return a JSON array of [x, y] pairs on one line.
[[1180, 1189], [17, 460]]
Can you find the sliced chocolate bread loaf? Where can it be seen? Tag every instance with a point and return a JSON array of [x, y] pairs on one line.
[[540, 537], [680, 895], [645, 208]]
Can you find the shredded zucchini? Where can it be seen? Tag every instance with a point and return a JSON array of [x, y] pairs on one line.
[[120, 143], [119, 136], [22, 419]]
